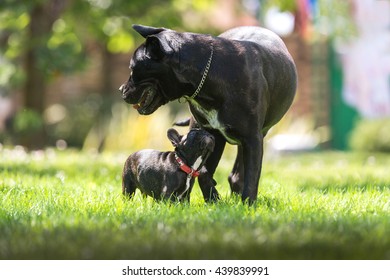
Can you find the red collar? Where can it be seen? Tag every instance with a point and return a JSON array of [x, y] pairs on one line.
[[184, 167]]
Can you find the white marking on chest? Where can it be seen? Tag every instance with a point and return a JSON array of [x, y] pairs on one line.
[[212, 118], [197, 163], [195, 167]]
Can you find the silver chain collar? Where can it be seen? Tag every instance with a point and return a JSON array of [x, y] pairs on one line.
[[204, 76]]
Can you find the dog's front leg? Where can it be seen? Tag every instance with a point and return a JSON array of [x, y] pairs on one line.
[[206, 182], [253, 157]]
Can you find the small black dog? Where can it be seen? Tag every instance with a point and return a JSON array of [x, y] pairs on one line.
[[168, 175]]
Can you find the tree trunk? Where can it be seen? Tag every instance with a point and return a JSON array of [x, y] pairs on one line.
[[42, 17], [104, 115]]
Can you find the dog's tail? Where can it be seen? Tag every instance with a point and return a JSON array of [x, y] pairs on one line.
[[191, 122]]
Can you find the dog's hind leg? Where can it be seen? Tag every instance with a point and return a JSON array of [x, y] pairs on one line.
[[252, 158], [128, 185], [236, 177]]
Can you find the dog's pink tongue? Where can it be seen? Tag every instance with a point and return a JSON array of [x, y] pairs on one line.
[[136, 106]]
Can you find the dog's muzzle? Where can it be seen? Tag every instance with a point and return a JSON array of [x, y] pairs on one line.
[[144, 98]]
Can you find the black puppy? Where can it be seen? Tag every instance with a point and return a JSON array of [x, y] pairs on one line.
[[168, 175], [238, 85]]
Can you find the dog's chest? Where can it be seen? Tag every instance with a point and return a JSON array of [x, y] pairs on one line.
[[211, 117]]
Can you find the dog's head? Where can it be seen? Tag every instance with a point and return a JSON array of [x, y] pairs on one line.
[[161, 68], [197, 144]]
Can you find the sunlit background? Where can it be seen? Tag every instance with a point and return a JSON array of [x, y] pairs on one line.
[[62, 61]]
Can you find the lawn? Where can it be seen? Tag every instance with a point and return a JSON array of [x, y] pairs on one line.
[[68, 205]]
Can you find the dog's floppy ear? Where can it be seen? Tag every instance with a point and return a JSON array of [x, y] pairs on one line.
[[146, 31], [174, 136]]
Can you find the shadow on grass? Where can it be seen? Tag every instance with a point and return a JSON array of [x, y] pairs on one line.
[[130, 242]]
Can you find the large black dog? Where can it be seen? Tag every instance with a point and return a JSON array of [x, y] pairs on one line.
[[238, 85]]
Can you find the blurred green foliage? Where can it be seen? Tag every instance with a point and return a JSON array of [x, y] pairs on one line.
[[59, 37], [330, 18], [27, 121], [371, 136], [80, 27], [77, 28], [283, 5]]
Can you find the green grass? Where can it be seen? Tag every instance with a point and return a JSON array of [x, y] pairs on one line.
[[67, 205]]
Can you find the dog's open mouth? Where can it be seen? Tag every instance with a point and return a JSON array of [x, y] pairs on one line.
[[146, 98]]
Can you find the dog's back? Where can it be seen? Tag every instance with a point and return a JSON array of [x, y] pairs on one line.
[[257, 35], [144, 169]]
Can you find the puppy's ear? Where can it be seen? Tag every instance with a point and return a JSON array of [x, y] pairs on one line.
[[145, 31], [174, 136]]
